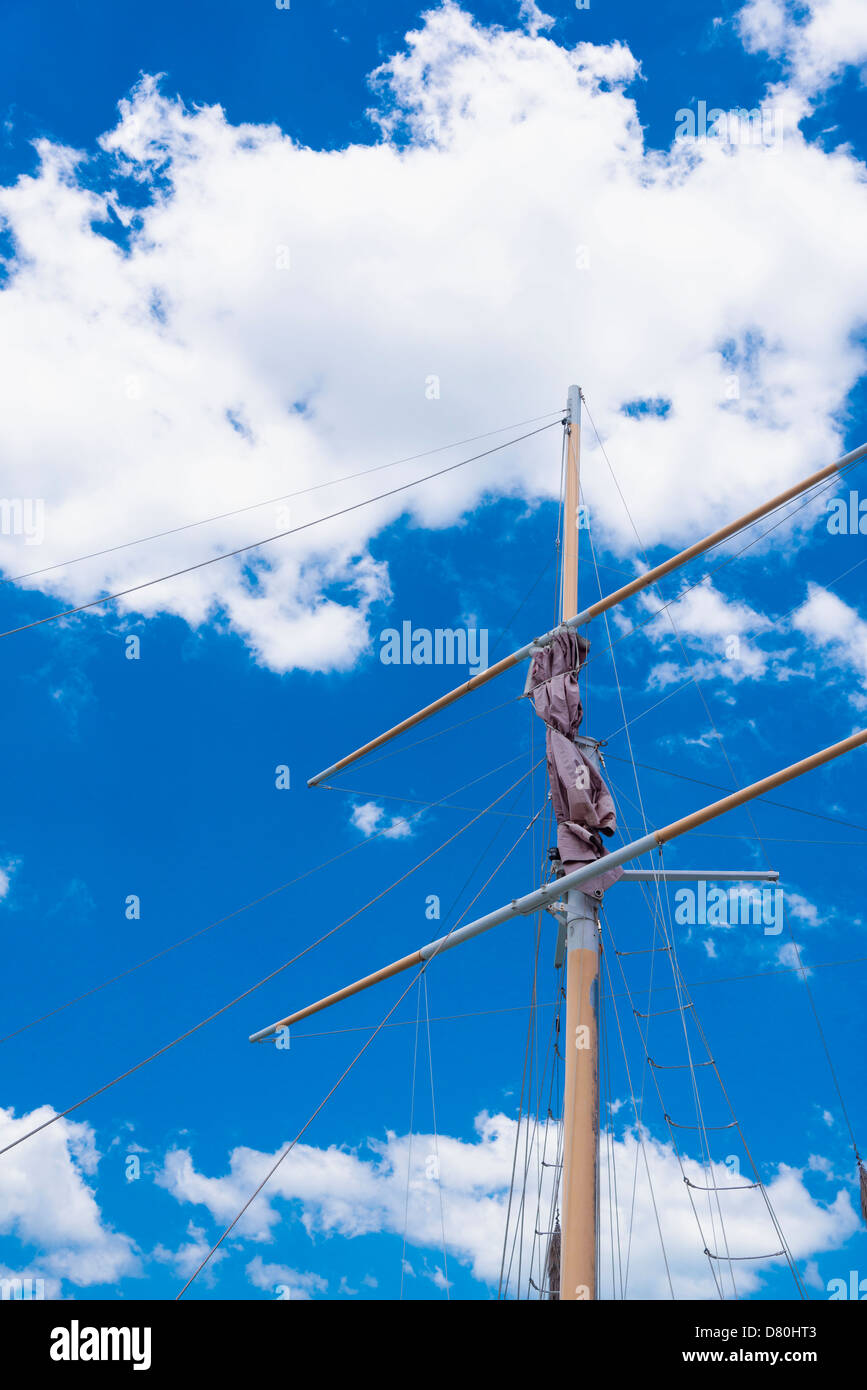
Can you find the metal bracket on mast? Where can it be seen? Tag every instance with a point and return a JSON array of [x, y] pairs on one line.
[[572, 911]]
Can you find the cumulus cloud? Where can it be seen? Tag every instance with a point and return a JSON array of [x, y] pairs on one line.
[[351, 1194], [46, 1202], [282, 1282], [207, 306], [189, 1255], [815, 39], [704, 619], [6, 872], [370, 819], [838, 631]]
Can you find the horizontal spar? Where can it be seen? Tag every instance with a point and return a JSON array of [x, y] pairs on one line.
[[695, 875], [541, 897], [642, 581]]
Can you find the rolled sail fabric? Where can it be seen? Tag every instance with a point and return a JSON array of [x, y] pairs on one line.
[[583, 806]]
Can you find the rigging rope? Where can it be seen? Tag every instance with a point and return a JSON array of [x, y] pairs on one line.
[[289, 1147], [268, 540], [721, 741], [271, 501], [254, 902], [250, 990]]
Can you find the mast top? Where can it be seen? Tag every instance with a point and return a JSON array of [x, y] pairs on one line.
[[573, 405]]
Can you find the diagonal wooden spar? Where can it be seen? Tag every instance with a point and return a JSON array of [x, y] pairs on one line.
[[602, 605], [541, 897]]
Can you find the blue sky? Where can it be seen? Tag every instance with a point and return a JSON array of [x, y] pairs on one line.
[[156, 373]]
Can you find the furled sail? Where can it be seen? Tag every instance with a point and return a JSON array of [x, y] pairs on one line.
[[583, 806]]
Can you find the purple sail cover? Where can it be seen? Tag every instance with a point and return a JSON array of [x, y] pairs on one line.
[[582, 803]]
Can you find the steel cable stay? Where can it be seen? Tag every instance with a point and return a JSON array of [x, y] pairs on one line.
[[552, 1003], [681, 1158], [640, 1129], [405, 748], [526, 1088], [533, 1018], [651, 576], [254, 902], [450, 728], [549, 1255], [701, 1126], [245, 994], [827, 584], [437, 1018], [268, 540], [680, 1011], [676, 971], [546, 1067], [514, 846], [532, 1154], [546, 1255], [272, 501], [436, 1142], [531, 1150], [670, 603], [410, 1133], [289, 1147], [467, 881], [722, 744], [611, 1150], [578, 1277], [549, 1252], [655, 910]]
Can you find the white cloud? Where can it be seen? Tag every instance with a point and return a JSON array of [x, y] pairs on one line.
[[173, 372], [534, 19], [809, 1226], [792, 957], [188, 1256], [6, 872], [816, 39], [276, 1278], [342, 1193], [46, 1202], [370, 819], [706, 620], [839, 633], [805, 911]]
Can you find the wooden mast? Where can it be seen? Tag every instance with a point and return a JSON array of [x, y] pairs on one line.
[[581, 1039]]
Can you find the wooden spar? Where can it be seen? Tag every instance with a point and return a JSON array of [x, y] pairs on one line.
[[581, 1050], [643, 581], [541, 897], [569, 582]]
